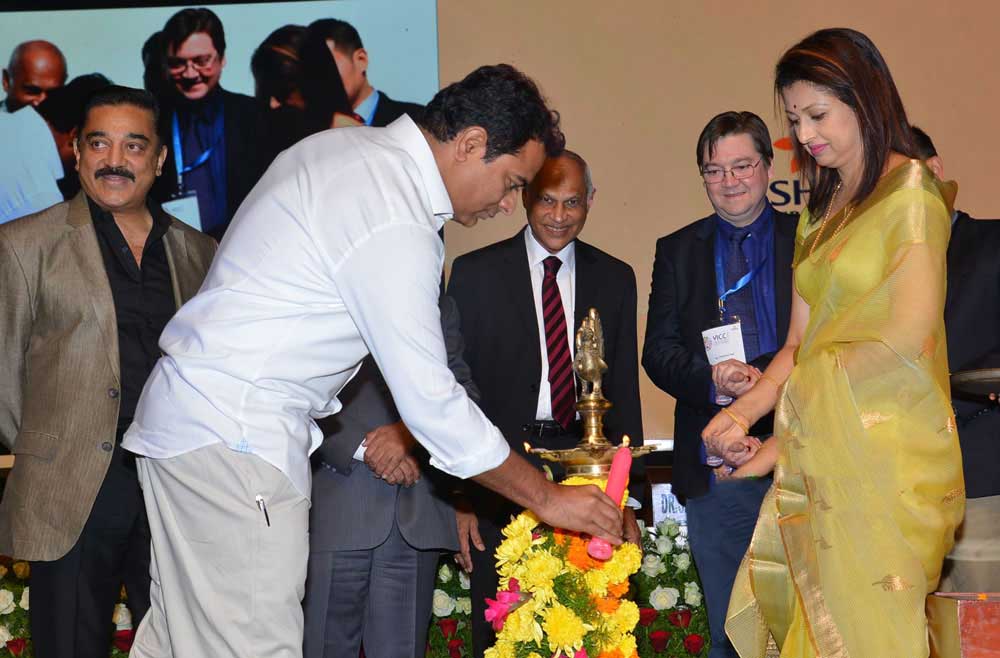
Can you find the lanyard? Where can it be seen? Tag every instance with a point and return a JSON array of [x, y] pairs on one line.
[[720, 277], [179, 157]]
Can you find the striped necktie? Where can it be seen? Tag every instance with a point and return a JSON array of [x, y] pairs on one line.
[[561, 385]]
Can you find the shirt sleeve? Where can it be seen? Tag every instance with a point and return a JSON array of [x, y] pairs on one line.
[[390, 285]]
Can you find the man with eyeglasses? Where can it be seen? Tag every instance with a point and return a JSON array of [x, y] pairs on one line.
[[211, 133], [734, 265]]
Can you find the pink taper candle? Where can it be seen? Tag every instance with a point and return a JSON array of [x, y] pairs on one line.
[[599, 549]]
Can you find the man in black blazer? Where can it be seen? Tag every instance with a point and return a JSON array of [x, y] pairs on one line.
[[498, 290], [373, 106], [216, 131], [748, 242], [971, 315]]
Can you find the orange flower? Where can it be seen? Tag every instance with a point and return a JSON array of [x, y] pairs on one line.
[[614, 653], [619, 589], [578, 556], [606, 604]]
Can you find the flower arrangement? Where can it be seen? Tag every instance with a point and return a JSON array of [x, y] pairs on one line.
[[555, 600], [450, 634], [672, 616], [15, 630]]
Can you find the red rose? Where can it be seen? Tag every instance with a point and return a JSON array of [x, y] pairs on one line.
[[455, 647], [16, 646], [659, 640], [123, 640], [647, 616], [680, 618], [694, 643], [448, 627]]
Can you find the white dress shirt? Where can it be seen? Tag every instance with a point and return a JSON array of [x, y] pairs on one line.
[[334, 253], [566, 280], [30, 165]]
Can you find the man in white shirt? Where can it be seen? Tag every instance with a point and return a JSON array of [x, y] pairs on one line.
[[334, 255]]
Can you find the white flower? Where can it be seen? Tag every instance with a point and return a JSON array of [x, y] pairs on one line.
[[463, 605], [692, 594], [444, 573], [664, 545], [681, 541], [6, 602], [442, 604], [668, 528], [463, 580], [652, 565], [122, 617], [5, 634], [24, 599], [663, 598], [682, 561]]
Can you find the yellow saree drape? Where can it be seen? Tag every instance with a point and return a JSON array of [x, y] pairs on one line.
[[868, 486]]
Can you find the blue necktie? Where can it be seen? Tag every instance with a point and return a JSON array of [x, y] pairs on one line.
[[740, 303]]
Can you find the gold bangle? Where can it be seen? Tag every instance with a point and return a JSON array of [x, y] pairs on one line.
[[772, 380], [740, 422]]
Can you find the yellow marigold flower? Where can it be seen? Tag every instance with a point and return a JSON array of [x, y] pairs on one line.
[[597, 581], [627, 647], [540, 569], [626, 616], [521, 625], [625, 561], [564, 629], [512, 548], [22, 570], [502, 649]]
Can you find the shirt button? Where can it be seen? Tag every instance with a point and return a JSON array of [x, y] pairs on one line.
[[107, 447], [112, 393]]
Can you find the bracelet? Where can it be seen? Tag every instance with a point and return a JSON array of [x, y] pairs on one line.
[[740, 422], [771, 379]]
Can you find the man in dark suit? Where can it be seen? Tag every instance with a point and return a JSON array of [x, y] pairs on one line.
[[213, 134], [971, 315], [373, 106], [741, 253], [379, 520], [520, 301], [88, 286]]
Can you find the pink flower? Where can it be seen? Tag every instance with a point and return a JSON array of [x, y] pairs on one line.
[[507, 599], [581, 653]]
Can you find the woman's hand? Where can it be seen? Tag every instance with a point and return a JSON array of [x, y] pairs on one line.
[[724, 438]]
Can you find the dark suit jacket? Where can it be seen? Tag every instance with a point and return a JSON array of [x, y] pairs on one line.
[[244, 160], [59, 369], [972, 315], [492, 287], [683, 302], [351, 509], [388, 110]]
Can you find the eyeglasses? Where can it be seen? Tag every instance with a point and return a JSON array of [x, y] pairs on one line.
[[714, 175], [200, 63]]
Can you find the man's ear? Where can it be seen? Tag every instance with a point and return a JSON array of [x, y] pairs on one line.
[[470, 143], [76, 150], [360, 58], [160, 159], [590, 198]]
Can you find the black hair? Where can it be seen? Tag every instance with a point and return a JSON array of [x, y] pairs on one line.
[[735, 123], [924, 144], [115, 95], [322, 87], [501, 100], [277, 64], [345, 37], [64, 106], [190, 21]]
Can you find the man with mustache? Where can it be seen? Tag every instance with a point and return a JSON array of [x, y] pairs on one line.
[[213, 133], [88, 286], [519, 332]]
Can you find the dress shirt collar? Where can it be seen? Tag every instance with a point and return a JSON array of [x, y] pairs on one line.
[[537, 253], [161, 220], [758, 227], [409, 136], [366, 108]]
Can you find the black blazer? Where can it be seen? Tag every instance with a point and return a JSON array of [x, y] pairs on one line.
[[492, 287], [244, 161], [972, 315], [389, 110], [683, 302]]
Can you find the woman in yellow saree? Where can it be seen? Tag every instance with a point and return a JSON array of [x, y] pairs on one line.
[[868, 481]]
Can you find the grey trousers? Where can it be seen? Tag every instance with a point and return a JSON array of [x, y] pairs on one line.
[[974, 563], [380, 597], [226, 581]]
